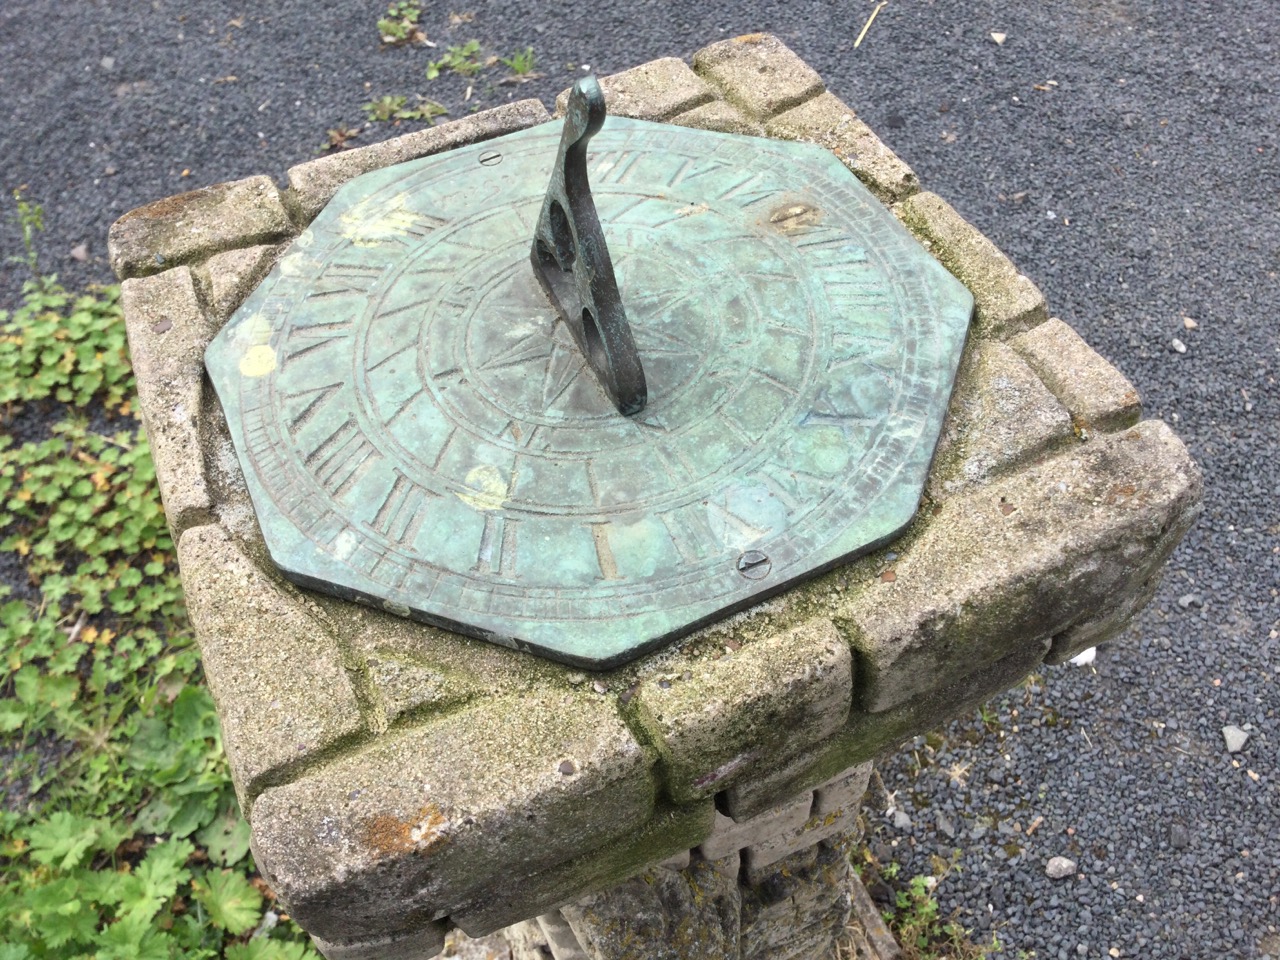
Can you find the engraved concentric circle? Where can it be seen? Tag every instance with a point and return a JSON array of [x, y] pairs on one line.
[[417, 430]]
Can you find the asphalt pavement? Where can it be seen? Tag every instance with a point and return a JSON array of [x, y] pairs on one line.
[[1122, 152]]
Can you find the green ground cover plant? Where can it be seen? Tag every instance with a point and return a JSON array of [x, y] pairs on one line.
[[396, 107], [119, 832]]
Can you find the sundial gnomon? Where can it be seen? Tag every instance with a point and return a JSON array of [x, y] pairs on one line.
[[420, 428]]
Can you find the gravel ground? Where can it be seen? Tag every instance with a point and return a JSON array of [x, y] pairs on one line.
[[1124, 154]]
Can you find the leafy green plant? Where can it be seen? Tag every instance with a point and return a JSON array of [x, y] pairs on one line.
[[462, 59], [65, 347], [399, 25], [521, 62], [30, 222], [396, 108], [915, 916], [120, 836]]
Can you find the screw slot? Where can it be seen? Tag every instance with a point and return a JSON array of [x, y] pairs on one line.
[[754, 565], [490, 157]]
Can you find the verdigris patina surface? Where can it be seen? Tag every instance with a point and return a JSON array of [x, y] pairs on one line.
[[419, 428]]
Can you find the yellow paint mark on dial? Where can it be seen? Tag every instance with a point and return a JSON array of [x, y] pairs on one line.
[[258, 361], [253, 331], [488, 487], [372, 221]]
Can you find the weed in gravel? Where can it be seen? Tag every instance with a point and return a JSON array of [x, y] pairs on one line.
[[399, 25], [119, 835], [462, 59], [913, 914], [520, 62], [338, 137], [390, 108]]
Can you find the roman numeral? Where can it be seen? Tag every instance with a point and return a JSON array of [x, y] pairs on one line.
[[690, 170], [304, 340], [497, 553], [791, 486], [403, 511], [706, 529], [345, 279], [316, 398], [417, 226], [604, 552], [341, 458], [613, 166], [743, 195]]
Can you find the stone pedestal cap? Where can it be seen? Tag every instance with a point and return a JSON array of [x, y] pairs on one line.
[[400, 779]]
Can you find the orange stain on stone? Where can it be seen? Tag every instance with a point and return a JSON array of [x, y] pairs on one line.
[[389, 834]]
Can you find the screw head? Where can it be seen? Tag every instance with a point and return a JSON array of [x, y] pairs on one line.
[[490, 157], [754, 565]]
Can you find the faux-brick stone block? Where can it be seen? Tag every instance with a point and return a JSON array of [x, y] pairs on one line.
[[192, 225], [1001, 415], [230, 277], [758, 73], [1005, 302], [828, 122], [721, 117], [718, 720], [728, 836], [313, 184], [868, 735], [416, 822], [1025, 557], [168, 332], [670, 831], [1097, 394], [655, 90], [420, 944], [284, 697]]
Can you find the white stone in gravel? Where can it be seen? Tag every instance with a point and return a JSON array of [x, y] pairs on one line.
[[901, 821], [1235, 738], [1059, 867], [1178, 345]]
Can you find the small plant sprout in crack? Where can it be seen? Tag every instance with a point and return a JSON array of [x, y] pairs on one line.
[[399, 26]]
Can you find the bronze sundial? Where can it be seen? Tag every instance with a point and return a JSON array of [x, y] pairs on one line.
[[442, 409]]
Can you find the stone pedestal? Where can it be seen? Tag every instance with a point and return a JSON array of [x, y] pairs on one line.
[[401, 780]]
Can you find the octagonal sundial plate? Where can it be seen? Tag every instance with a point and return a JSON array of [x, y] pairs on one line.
[[419, 432]]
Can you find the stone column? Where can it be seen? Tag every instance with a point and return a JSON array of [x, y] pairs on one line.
[[402, 781]]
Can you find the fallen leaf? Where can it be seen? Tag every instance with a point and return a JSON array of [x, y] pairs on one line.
[[999, 38], [1253, 776], [888, 576]]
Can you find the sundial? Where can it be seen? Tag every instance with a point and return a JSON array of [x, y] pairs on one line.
[[580, 390]]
